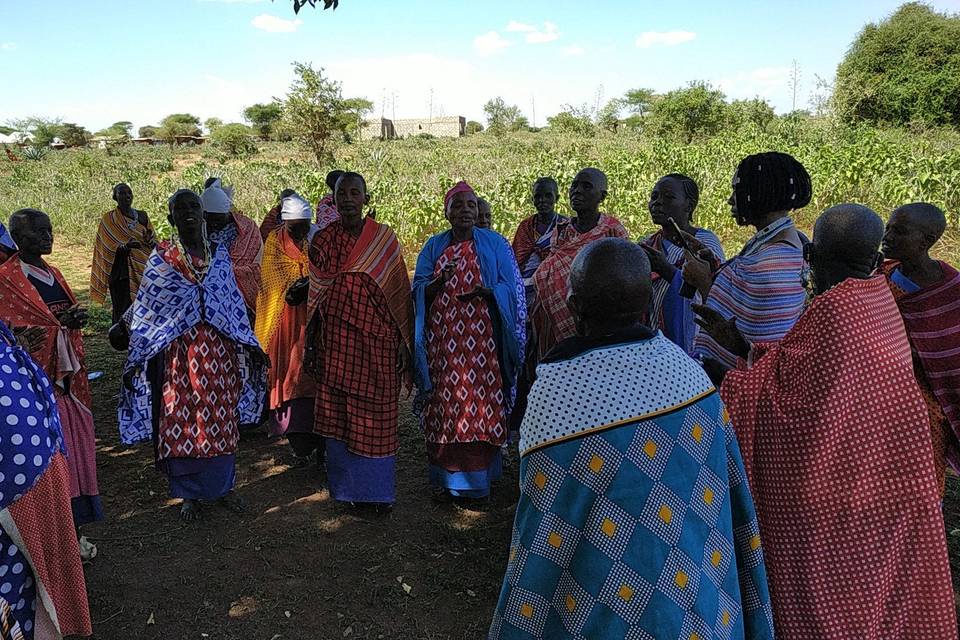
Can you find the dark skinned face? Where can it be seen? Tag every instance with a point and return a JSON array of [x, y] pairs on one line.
[[545, 198], [667, 200], [35, 238], [188, 217], [124, 197], [298, 229], [350, 197], [732, 201], [216, 221], [484, 216], [462, 212], [903, 239], [586, 192]]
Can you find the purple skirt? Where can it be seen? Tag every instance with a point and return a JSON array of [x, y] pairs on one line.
[[200, 478], [355, 478]]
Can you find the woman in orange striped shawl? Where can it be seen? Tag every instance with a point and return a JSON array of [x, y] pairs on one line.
[[239, 234], [125, 239], [281, 322]]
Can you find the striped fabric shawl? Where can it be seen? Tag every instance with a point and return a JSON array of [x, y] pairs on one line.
[[761, 287], [115, 231], [376, 254], [932, 320]]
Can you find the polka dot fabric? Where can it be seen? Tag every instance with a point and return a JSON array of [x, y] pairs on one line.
[[29, 422], [614, 384], [836, 443]]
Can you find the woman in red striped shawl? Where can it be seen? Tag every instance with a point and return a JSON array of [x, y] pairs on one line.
[[927, 292]]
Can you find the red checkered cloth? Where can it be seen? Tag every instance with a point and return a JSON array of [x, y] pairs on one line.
[[359, 383], [836, 444]]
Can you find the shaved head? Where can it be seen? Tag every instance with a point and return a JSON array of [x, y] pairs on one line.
[[846, 243], [598, 177], [609, 280], [929, 219]]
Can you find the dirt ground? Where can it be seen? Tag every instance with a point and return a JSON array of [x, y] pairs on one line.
[[296, 565]]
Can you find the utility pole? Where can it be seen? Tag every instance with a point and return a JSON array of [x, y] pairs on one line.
[[393, 103], [430, 118], [533, 110]]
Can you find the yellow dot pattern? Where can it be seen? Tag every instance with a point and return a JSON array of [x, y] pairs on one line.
[[609, 527], [554, 540], [650, 448], [681, 579], [625, 592], [708, 495], [526, 610], [665, 514], [596, 463], [715, 558], [697, 432], [540, 480], [570, 603], [755, 542]]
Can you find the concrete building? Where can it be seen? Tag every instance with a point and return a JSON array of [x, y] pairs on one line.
[[379, 129], [384, 129], [446, 127]]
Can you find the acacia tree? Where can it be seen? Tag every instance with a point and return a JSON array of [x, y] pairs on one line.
[[697, 109], [263, 117], [316, 113], [178, 124]]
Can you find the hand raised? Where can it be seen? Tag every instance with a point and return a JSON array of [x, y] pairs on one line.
[[724, 331]]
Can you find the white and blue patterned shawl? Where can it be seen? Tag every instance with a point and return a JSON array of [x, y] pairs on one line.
[[167, 306]]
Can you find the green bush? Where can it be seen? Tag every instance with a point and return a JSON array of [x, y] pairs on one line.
[[234, 138]]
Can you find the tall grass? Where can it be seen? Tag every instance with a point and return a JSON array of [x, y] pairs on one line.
[[877, 167]]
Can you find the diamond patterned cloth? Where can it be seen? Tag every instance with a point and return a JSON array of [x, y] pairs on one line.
[[635, 520], [169, 304], [467, 403]]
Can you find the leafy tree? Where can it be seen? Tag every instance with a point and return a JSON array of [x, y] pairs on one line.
[[473, 127], [234, 138], [502, 117], [903, 69], [572, 120], [73, 135], [609, 115], [638, 101], [148, 131], [316, 113], [121, 129], [6, 130], [178, 124], [756, 111], [263, 117], [43, 130], [212, 124], [354, 110], [697, 109], [327, 4]]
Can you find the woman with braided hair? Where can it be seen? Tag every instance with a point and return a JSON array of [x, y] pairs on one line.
[[673, 200], [762, 286]]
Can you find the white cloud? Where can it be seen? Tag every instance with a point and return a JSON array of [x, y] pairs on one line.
[[520, 27], [8, 46], [549, 34], [273, 24], [490, 43], [574, 51], [766, 82], [649, 39]]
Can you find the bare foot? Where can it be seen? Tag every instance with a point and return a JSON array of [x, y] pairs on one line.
[[190, 511], [233, 502]]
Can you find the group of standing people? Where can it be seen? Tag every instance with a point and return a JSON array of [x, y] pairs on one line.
[[691, 429]]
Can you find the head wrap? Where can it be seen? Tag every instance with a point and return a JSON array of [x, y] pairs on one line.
[[215, 199], [460, 187], [295, 208]]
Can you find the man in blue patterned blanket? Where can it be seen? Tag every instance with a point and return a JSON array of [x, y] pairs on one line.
[[635, 519]]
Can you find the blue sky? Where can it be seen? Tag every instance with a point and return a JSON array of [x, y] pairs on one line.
[[98, 61]]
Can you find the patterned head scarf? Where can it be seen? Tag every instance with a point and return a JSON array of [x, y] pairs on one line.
[[460, 187]]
